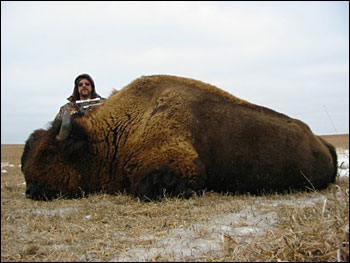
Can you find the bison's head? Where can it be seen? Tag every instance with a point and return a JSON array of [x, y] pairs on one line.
[[55, 162]]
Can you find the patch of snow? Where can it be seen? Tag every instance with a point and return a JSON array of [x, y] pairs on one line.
[[147, 237], [4, 164], [343, 162], [301, 201], [54, 212], [245, 231], [207, 237], [203, 237]]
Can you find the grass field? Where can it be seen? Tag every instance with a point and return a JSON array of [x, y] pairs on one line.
[[339, 141], [299, 227]]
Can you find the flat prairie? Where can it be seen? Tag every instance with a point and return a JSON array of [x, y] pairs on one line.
[[338, 140], [303, 226]]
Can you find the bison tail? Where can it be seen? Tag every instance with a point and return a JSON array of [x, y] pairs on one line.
[[333, 153], [335, 161]]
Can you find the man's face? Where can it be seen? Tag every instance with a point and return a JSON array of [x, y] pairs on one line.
[[84, 89]]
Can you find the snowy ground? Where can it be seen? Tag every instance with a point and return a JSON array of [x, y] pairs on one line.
[[208, 236], [5, 164], [202, 238], [343, 162]]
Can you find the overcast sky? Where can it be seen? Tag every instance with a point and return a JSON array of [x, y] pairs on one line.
[[292, 57]]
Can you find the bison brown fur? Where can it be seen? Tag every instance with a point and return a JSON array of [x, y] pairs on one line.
[[170, 135]]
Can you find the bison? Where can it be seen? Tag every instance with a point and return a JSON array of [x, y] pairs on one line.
[[167, 135]]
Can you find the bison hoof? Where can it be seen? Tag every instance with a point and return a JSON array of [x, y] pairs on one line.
[[162, 183]]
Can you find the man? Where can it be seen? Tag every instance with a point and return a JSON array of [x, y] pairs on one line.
[[84, 89]]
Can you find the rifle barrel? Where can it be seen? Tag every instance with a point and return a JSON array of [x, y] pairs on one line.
[[87, 101], [91, 105]]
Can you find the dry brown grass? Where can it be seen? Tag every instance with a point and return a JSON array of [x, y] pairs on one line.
[[339, 140], [296, 227]]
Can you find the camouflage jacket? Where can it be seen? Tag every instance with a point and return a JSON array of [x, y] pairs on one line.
[[72, 108]]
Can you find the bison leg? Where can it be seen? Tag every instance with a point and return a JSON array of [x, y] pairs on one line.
[[167, 173], [160, 183]]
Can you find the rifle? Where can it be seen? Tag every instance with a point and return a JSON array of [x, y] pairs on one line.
[[85, 105]]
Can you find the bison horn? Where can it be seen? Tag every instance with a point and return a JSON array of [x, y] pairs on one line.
[[65, 127]]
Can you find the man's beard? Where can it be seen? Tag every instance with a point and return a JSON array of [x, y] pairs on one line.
[[85, 94]]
